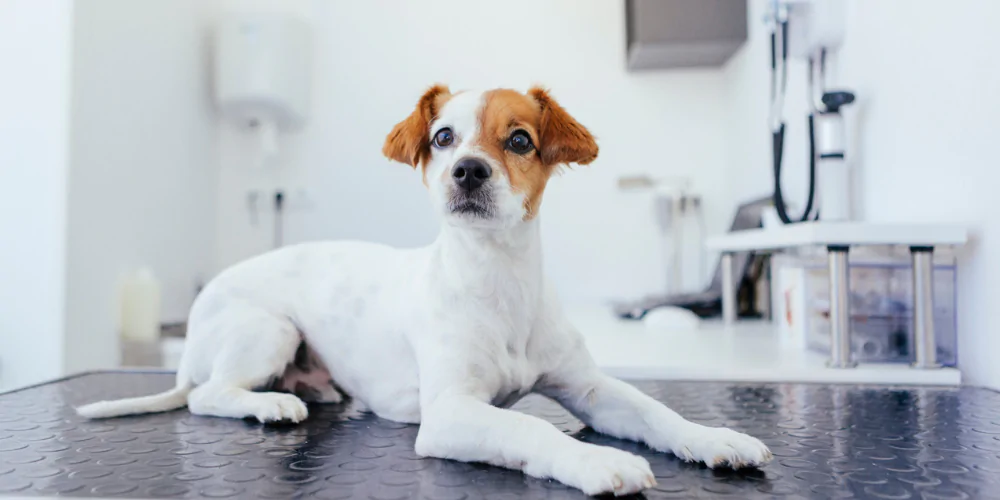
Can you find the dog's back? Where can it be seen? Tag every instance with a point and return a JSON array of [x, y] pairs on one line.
[[280, 299]]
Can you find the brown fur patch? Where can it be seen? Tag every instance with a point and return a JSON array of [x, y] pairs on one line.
[[409, 141], [557, 137]]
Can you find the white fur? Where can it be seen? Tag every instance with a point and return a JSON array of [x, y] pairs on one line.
[[445, 336]]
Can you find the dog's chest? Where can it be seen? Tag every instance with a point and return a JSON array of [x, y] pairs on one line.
[[517, 378], [508, 369]]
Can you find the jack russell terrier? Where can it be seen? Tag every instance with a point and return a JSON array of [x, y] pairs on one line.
[[446, 336]]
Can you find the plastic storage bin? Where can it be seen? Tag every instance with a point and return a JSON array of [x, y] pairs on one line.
[[881, 301]]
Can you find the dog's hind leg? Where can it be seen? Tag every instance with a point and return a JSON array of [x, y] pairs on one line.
[[255, 349]]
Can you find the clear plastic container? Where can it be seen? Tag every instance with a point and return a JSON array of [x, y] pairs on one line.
[[881, 302]]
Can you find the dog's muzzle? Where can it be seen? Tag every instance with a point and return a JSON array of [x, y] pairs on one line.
[[478, 203], [472, 194]]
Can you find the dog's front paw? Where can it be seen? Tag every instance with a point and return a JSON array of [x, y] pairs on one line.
[[717, 446], [600, 469], [277, 407]]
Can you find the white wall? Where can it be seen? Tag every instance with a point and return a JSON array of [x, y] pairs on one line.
[[376, 57], [34, 127], [924, 140], [144, 163]]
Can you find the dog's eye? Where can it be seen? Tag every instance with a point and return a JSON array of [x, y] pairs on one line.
[[520, 142], [443, 138]]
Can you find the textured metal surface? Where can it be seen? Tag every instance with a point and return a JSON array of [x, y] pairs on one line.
[[828, 442]]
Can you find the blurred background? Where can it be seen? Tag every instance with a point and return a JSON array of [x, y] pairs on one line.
[[128, 183]]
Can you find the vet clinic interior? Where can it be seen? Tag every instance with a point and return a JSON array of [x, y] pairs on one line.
[[793, 211]]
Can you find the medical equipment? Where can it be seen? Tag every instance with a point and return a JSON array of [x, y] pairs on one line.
[[811, 29]]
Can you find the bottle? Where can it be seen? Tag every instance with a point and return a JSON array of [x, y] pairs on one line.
[[140, 307]]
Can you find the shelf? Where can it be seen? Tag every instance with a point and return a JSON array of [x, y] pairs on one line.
[[838, 234], [749, 351]]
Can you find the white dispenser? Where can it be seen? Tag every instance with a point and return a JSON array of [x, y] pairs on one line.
[[140, 307], [263, 73]]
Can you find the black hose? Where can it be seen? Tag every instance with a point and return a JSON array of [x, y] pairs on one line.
[[778, 140], [784, 56], [774, 66], [784, 40]]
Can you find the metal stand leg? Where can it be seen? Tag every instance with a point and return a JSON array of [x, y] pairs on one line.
[[728, 290], [923, 307], [840, 309]]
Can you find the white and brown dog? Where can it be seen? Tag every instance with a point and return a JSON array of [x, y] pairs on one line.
[[447, 335]]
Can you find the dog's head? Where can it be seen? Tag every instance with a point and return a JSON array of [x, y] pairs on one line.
[[487, 156]]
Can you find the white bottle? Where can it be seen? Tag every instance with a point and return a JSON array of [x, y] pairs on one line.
[[140, 307]]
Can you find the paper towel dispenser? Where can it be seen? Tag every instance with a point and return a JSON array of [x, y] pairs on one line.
[[665, 34], [263, 73]]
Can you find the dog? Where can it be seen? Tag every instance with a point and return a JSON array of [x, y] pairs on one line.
[[447, 336]]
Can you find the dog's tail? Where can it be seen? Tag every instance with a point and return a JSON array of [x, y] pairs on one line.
[[164, 401]]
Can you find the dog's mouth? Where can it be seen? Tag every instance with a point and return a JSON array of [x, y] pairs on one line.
[[478, 204]]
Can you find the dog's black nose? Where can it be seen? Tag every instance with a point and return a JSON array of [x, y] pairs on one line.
[[471, 173]]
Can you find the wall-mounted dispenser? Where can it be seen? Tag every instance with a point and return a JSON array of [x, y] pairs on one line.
[[263, 75]]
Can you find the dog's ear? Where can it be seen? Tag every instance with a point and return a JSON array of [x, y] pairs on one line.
[[562, 138], [409, 142]]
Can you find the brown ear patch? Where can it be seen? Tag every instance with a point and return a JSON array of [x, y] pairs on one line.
[[409, 142], [562, 139]]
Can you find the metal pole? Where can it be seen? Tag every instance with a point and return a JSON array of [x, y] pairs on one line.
[[840, 309], [728, 290], [923, 307]]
